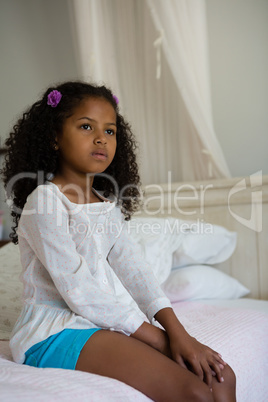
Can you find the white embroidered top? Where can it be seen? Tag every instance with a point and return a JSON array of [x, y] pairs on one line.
[[68, 252]]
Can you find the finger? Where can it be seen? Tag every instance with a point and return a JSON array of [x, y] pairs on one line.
[[220, 360], [218, 371], [207, 374], [197, 369], [218, 357], [221, 366]]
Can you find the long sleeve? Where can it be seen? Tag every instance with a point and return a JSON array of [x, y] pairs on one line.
[[45, 226], [136, 275]]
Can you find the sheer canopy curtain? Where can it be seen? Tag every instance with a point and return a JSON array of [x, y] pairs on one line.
[[153, 55]]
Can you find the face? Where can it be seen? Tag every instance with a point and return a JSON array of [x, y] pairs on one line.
[[87, 143]]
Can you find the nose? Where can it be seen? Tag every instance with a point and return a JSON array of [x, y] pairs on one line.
[[100, 137]]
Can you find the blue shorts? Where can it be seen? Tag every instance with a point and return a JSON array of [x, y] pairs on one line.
[[60, 350]]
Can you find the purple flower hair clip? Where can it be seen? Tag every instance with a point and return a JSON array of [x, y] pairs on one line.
[[116, 99], [54, 98]]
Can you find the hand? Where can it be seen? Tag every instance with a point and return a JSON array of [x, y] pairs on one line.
[[199, 358], [188, 352]]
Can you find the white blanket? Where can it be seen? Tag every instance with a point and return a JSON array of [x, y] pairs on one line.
[[239, 335]]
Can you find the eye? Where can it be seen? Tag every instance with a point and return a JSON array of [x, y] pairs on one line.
[[86, 127], [110, 132]]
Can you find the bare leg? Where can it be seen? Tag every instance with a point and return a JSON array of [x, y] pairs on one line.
[[133, 362], [223, 392]]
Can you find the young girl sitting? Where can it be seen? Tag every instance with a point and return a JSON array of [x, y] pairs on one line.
[[71, 172]]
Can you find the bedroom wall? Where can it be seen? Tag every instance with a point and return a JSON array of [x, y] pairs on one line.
[[37, 49], [238, 36]]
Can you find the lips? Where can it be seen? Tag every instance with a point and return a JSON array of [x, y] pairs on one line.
[[100, 154]]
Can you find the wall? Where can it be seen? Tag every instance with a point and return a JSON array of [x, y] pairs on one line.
[[238, 37], [36, 50]]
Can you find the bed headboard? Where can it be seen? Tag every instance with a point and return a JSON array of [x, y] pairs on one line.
[[239, 204]]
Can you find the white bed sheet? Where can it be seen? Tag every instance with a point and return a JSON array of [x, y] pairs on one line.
[[244, 303], [239, 334]]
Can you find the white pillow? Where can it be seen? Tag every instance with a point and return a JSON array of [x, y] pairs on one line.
[[170, 242], [10, 288], [202, 282], [203, 243]]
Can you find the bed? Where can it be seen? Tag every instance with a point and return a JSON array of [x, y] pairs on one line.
[[208, 245]]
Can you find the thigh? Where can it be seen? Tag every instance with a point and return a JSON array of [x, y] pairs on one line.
[[133, 362]]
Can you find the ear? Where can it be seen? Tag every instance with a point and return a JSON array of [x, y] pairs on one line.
[[56, 145]]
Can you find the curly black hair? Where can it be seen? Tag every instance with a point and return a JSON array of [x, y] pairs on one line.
[[31, 157]]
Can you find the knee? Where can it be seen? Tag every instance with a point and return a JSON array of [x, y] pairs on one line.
[[197, 392], [229, 377]]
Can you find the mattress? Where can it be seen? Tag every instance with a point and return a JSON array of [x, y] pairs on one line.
[[230, 327]]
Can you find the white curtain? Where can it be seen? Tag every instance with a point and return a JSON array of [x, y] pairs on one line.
[[153, 55]]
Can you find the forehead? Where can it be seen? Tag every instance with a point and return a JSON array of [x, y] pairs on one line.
[[95, 108]]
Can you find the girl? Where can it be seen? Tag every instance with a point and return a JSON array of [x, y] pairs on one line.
[[72, 174]]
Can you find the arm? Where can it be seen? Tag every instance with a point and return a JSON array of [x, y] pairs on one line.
[[136, 275], [138, 278]]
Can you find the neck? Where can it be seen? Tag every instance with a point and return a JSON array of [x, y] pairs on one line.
[[76, 187]]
